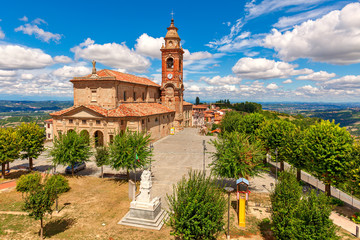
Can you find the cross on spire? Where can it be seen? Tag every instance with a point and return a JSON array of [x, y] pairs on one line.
[[172, 14]]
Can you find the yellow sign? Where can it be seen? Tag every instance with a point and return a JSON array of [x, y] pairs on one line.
[[172, 131]]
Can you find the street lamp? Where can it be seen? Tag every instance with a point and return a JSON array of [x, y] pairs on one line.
[[276, 162], [204, 145], [228, 190]]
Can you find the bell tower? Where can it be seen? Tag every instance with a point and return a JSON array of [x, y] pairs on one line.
[[172, 74]]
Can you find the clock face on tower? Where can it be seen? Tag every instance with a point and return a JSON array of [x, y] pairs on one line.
[[169, 76]]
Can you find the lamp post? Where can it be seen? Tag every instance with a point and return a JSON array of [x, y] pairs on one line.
[[204, 145], [228, 190], [276, 160]]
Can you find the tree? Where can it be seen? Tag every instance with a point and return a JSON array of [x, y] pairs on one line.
[[328, 150], [41, 194], [102, 158], [284, 202], [196, 207], [274, 134], [297, 216], [197, 101], [9, 147], [32, 141], [313, 213], [70, 148], [236, 157], [130, 150], [294, 150]]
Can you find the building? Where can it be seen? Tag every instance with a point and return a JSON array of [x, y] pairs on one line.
[[107, 102], [48, 124]]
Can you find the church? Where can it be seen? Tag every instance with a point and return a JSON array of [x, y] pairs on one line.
[[108, 102]]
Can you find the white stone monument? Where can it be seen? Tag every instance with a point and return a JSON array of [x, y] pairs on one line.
[[144, 212]]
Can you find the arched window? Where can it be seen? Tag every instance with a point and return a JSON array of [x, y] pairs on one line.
[[170, 63]]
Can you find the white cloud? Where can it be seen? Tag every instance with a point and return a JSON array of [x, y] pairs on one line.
[[72, 71], [7, 73], [267, 6], [149, 46], [287, 81], [24, 19], [218, 80], [39, 21], [262, 68], [18, 57], [344, 83], [112, 54], [39, 33], [272, 86], [334, 38], [62, 59], [27, 76], [317, 76], [2, 34], [287, 22]]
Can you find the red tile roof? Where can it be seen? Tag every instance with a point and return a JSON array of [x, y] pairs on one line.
[[107, 74], [124, 110], [201, 106], [187, 103], [49, 120]]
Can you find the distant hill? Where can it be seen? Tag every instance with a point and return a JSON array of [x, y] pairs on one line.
[[31, 106]]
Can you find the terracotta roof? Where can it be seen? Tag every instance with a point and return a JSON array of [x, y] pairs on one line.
[[107, 74], [124, 110], [187, 103], [49, 120], [200, 106]]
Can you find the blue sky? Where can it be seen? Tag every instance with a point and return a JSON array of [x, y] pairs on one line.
[[269, 50]]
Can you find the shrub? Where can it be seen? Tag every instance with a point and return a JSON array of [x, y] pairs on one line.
[[197, 207], [356, 218], [29, 183], [57, 184]]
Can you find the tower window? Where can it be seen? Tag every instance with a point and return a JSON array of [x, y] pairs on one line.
[[143, 96], [93, 95], [170, 63], [124, 96], [134, 96]]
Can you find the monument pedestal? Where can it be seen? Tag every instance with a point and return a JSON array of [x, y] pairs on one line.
[[145, 215], [144, 212]]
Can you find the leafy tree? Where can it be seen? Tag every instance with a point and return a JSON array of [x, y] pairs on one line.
[[70, 148], [313, 213], [29, 183], [41, 194], [353, 183], [274, 134], [294, 150], [300, 217], [236, 157], [247, 124], [32, 141], [102, 158], [9, 147], [38, 204], [129, 150], [249, 107], [284, 201], [197, 101], [328, 150], [196, 208]]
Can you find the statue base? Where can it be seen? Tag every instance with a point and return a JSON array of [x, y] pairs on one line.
[[145, 215]]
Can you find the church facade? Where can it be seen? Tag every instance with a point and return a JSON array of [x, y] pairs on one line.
[[107, 102]]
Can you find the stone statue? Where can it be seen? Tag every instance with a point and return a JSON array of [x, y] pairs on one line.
[[145, 187], [93, 69]]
